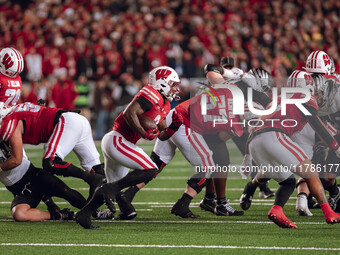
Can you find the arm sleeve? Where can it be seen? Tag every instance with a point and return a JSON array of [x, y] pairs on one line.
[[145, 104], [258, 97]]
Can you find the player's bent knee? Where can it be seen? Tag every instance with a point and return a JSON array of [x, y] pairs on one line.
[[56, 166], [160, 164], [300, 181], [197, 182], [19, 212], [149, 174]]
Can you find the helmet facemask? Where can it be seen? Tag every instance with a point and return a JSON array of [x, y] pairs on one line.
[[324, 89]]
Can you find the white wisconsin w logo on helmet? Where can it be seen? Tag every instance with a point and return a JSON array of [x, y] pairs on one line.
[[11, 62]]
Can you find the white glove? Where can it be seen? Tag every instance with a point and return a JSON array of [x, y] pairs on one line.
[[246, 166], [337, 152]]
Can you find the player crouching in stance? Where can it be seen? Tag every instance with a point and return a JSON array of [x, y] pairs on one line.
[[119, 146], [283, 153], [61, 131]]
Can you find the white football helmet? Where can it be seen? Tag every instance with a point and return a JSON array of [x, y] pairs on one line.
[[166, 81], [11, 62], [319, 62], [301, 79]]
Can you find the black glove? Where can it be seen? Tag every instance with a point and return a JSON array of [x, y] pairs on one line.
[[319, 153], [41, 102]]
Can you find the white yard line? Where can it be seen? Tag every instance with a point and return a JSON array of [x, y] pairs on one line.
[[172, 246], [186, 221], [156, 189]]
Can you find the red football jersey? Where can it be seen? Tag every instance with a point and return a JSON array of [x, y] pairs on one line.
[[160, 108], [288, 126], [10, 89], [219, 116], [38, 123]]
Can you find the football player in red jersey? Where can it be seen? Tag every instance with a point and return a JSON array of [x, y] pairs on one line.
[[60, 130], [189, 118], [212, 147], [11, 65], [119, 146], [287, 156], [189, 113]]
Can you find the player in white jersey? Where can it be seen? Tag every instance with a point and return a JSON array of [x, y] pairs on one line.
[[321, 66], [230, 72], [29, 184]]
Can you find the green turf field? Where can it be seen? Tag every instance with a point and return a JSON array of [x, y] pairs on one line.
[[156, 231]]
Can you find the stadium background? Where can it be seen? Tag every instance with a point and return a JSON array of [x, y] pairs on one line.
[[108, 47]]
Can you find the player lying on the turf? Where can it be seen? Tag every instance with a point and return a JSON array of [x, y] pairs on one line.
[[283, 152], [30, 185], [61, 131], [119, 146]]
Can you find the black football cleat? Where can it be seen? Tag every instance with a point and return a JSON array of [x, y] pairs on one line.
[[225, 209], [67, 214], [208, 204], [245, 201], [104, 214], [265, 192], [84, 220], [182, 210], [247, 196], [333, 200], [127, 211]]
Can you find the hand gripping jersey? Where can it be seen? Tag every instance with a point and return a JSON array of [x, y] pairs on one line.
[[160, 108], [10, 89], [293, 121], [219, 116], [38, 123]]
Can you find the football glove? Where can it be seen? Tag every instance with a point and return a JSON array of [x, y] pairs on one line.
[[151, 133], [246, 166], [319, 153]]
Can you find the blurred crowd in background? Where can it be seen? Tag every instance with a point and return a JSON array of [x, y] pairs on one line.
[[95, 55]]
